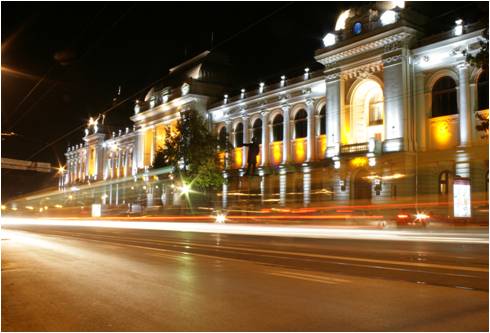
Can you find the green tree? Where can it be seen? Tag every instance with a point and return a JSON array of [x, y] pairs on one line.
[[191, 151], [479, 59]]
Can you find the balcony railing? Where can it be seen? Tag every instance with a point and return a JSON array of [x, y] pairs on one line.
[[354, 148]]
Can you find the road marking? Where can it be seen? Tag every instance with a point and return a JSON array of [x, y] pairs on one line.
[[292, 276], [322, 256], [298, 254], [309, 276]]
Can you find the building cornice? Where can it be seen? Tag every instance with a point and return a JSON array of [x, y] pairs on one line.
[[171, 105], [264, 99], [378, 41]]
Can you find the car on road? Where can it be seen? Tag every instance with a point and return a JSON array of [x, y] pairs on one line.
[[408, 218]]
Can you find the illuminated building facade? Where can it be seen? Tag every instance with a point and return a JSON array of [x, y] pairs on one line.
[[391, 113]]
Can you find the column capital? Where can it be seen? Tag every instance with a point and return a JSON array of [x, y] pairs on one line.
[[285, 107], [462, 65], [265, 113]]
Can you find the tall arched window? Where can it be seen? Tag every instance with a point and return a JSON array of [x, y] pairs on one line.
[[483, 91], [444, 182], [444, 100], [239, 135], [222, 138], [257, 130], [300, 124], [277, 128], [321, 119]]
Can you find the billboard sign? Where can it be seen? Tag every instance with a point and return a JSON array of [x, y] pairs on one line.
[[462, 197]]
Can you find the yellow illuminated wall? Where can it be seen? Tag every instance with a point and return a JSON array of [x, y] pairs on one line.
[[148, 147], [237, 158], [359, 162], [221, 159], [276, 148], [259, 157], [91, 163], [444, 132], [321, 146], [160, 139], [299, 150]]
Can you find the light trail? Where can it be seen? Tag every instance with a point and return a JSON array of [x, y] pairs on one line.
[[266, 230]]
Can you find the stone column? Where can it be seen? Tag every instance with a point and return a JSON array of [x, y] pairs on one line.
[[310, 138], [464, 106], [334, 87], [229, 143], [139, 156], [286, 140], [394, 103], [119, 162], [126, 162], [265, 137], [246, 139], [421, 117], [153, 144]]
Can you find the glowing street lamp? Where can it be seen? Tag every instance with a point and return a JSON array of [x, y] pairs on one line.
[[220, 218], [185, 189]]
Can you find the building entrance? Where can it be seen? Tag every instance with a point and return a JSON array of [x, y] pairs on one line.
[[362, 186]]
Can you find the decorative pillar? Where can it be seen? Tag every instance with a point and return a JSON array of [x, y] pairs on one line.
[[246, 139], [394, 103], [139, 156], [126, 162], [334, 87], [310, 144], [228, 148], [421, 117], [464, 106], [153, 144], [265, 137], [286, 140]]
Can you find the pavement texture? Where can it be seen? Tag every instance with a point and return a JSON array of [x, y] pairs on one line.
[[67, 278]]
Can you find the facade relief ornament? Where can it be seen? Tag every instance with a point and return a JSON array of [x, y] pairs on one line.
[[332, 77], [395, 39], [392, 60]]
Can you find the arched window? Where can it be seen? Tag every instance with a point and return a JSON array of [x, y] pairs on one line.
[[375, 110], [444, 182], [222, 138], [323, 123], [277, 128], [257, 130], [300, 125], [239, 135], [483, 91], [444, 101]]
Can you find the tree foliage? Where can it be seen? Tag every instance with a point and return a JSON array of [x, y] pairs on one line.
[[479, 59], [191, 151]]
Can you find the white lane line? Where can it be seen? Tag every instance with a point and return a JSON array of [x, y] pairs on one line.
[[312, 275], [290, 276]]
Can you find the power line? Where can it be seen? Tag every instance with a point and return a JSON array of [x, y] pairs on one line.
[[159, 80]]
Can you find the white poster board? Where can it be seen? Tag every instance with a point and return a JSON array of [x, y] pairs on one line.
[[96, 210], [462, 198]]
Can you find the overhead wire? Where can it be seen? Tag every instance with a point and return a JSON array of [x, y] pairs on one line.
[[132, 96]]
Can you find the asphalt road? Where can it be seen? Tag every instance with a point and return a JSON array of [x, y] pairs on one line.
[[60, 278]]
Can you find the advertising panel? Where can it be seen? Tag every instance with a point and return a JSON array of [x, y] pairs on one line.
[[462, 197]]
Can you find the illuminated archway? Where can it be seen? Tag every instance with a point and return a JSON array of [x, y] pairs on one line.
[[367, 112]]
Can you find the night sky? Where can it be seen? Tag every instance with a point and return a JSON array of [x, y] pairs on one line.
[[62, 62]]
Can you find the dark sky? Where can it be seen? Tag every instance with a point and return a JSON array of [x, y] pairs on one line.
[[62, 62]]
